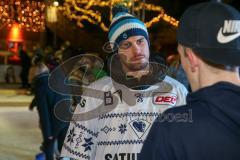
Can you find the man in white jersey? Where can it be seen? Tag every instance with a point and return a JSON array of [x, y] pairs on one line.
[[129, 101]]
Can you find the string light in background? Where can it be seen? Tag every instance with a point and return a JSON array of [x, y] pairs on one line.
[[29, 14], [86, 10], [55, 3]]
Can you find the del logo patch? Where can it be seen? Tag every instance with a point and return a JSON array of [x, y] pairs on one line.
[[164, 98]]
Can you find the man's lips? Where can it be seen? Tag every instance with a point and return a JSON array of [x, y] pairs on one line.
[[136, 58]]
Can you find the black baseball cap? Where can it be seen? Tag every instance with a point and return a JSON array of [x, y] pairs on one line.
[[212, 30]]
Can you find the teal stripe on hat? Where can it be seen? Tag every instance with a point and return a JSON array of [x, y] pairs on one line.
[[121, 23]]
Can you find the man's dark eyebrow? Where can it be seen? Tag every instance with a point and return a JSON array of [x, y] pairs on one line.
[[124, 41], [140, 38]]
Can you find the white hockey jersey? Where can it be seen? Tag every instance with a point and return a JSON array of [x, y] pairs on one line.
[[120, 133]]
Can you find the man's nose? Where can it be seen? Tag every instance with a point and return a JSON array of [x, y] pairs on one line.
[[136, 49]]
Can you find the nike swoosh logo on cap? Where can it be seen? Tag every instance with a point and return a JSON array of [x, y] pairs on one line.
[[225, 39]]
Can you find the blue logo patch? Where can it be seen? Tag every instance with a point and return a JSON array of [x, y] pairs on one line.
[[125, 36], [139, 127]]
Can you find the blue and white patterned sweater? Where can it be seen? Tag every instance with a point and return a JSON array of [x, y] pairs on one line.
[[120, 133]]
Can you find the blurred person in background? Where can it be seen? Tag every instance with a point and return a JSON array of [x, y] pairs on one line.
[[176, 71], [53, 129], [25, 64], [10, 75]]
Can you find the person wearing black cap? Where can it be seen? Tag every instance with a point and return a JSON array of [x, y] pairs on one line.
[[209, 47], [117, 129]]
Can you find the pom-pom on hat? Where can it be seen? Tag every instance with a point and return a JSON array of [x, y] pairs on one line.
[[125, 25]]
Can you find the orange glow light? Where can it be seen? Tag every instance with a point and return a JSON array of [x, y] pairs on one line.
[[15, 33]]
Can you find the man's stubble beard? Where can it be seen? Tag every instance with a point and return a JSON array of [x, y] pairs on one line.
[[134, 67]]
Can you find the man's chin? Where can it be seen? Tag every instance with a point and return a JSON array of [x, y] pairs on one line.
[[137, 67]]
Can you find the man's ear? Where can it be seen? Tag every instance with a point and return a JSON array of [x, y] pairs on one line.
[[193, 59]]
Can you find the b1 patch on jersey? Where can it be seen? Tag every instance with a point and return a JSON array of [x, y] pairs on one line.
[[161, 98]]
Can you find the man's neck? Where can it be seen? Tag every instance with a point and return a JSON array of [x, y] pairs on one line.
[[225, 76]]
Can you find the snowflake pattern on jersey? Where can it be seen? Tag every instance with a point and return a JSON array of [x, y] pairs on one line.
[[70, 137], [87, 144], [122, 128]]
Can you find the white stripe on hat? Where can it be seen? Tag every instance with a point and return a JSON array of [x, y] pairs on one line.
[[126, 27], [121, 16]]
